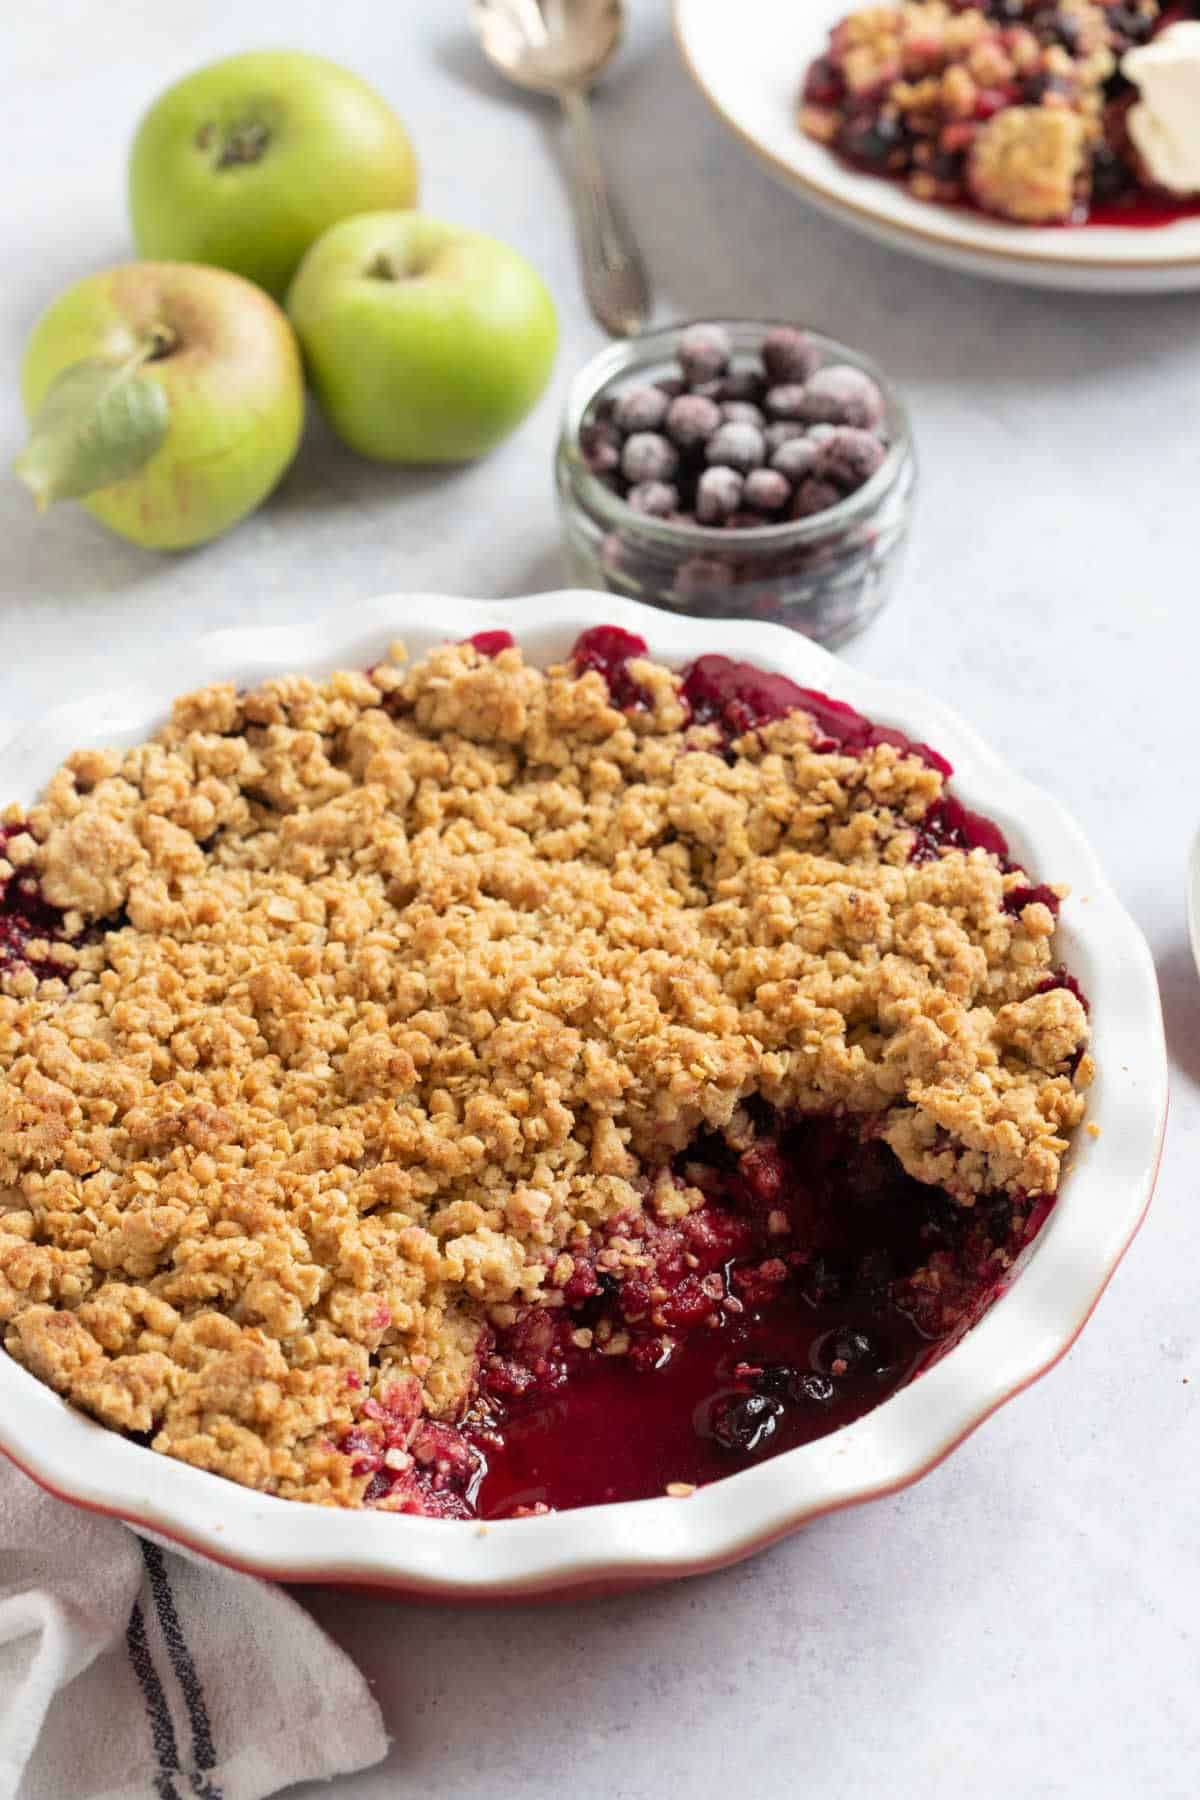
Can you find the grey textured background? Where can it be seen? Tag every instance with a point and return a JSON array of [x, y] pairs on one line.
[[1023, 1622]]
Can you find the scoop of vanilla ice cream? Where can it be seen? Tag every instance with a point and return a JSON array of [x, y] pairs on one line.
[[1164, 123]]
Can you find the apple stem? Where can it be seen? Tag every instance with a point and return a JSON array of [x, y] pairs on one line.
[[385, 267], [245, 143], [159, 342]]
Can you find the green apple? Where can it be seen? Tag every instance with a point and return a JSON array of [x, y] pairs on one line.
[[425, 343], [245, 162], [168, 397]]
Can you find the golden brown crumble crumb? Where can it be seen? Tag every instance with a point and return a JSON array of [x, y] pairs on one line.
[[392, 1004], [1027, 163]]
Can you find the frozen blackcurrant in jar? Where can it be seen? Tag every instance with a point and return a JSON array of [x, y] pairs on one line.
[[737, 470]]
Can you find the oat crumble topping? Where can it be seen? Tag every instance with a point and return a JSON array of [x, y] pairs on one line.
[[391, 990]]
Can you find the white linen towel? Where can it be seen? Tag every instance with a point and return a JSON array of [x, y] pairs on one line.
[[129, 1672]]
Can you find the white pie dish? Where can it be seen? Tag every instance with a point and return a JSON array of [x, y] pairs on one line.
[[631, 1543], [749, 61]]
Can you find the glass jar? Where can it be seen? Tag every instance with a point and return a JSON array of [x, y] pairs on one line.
[[826, 575]]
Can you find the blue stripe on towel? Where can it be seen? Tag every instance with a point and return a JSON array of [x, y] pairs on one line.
[[204, 1755], [162, 1732]]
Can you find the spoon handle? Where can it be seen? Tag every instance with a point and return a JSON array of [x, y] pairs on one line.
[[614, 276]]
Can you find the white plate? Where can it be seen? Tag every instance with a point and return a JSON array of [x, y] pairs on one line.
[[748, 58], [631, 1543], [1194, 900]]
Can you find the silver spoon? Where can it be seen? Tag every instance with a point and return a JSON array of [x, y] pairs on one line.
[[559, 47]]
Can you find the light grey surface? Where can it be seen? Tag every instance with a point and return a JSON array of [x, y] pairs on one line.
[[1024, 1621]]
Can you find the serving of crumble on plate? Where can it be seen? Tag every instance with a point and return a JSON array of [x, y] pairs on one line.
[[1014, 106], [1000, 138]]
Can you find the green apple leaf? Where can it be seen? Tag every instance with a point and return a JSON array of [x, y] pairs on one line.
[[98, 422]]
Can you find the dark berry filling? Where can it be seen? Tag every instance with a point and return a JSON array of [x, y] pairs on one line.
[[1061, 978], [816, 1279], [609, 650], [27, 919], [739, 698], [1018, 898], [491, 643], [949, 825]]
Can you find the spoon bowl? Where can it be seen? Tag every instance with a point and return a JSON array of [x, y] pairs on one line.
[[560, 47], [563, 43]]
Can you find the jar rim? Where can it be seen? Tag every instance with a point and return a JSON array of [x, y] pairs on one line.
[[628, 355]]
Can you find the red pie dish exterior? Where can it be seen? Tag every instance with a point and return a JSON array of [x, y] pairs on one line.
[[779, 1349]]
